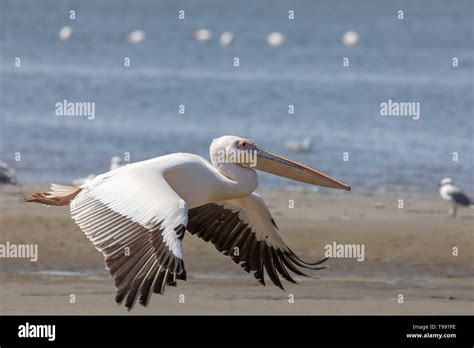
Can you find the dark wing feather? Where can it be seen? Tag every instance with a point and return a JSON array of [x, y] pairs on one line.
[[244, 230], [461, 198], [136, 256]]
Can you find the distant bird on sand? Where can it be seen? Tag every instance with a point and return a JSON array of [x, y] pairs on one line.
[[451, 193], [115, 162], [300, 146], [138, 215], [7, 174]]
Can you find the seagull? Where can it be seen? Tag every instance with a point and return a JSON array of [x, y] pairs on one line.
[[449, 192], [115, 162], [300, 146], [138, 215], [7, 174]]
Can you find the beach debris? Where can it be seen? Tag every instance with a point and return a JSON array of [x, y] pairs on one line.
[[7, 174], [275, 39], [65, 33], [226, 38], [136, 36], [202, 35], [350, 38]]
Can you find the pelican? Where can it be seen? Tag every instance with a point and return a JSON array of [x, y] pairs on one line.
[[137, 215], [451, 193]]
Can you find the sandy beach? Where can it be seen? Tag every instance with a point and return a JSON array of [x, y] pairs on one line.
[[408, 251]]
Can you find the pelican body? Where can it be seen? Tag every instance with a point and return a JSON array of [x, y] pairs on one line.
[[138, 214]]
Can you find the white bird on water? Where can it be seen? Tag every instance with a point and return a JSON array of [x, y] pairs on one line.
[[300, 146], [136, 36], [226, 38], [137, 215], [451, 193]]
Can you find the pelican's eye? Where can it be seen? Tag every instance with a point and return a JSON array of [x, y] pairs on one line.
[[245, 145]]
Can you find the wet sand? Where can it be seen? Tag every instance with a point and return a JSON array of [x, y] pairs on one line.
[[408, 251]]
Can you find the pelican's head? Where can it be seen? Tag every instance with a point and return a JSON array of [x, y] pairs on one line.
[[446, 181], [244, 152]]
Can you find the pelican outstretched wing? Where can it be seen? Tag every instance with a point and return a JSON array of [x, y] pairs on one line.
[[137, 221], [244, 229]]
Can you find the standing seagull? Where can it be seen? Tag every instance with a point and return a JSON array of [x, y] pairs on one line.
[[449, 192], [137, 215]]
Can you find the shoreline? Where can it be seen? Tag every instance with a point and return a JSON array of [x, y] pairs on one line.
[[407, 251]]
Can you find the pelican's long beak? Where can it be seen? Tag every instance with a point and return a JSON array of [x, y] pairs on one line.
[[274, 164]]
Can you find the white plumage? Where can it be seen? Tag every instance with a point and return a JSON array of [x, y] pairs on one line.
[[451, 193], [137, 215]]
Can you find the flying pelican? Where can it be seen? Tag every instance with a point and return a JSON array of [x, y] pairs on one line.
[[137, 215], [449, 192]]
